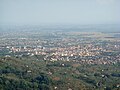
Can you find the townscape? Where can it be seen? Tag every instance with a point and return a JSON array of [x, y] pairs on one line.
[[43, 60], [59, 44], [81, 47]]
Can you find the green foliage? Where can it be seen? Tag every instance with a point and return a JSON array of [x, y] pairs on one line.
[[32, 73]]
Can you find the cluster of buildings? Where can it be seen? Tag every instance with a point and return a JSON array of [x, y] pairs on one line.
[[84, 50], [87, 53]]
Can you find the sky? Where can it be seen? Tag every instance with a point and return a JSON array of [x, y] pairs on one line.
[[59, 11]]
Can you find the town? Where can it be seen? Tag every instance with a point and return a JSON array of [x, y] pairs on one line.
[[80, 47], [59, 60]]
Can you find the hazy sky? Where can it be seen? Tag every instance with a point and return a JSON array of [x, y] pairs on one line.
[[59, 11]]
